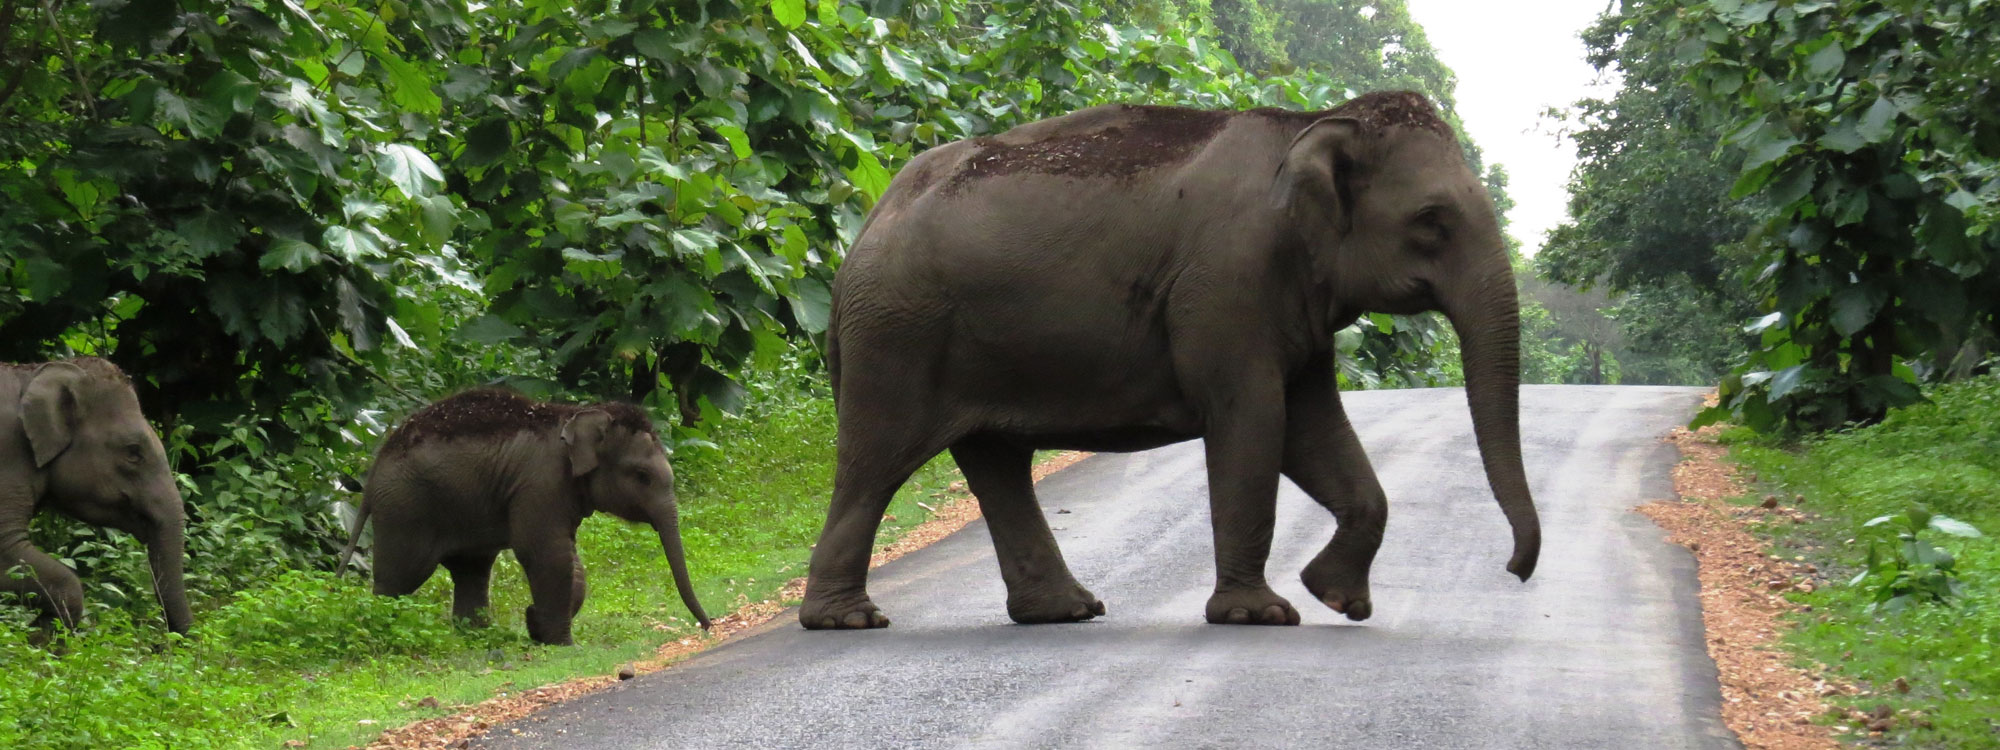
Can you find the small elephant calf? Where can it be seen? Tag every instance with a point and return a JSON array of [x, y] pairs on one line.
[[490, 469], [72, 440]]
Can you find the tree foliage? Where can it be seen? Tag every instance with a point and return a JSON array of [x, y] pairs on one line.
[[1849, 202], [292, 222], [1870, 134]]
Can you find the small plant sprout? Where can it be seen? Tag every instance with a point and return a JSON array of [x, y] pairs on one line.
[[1913, 570]]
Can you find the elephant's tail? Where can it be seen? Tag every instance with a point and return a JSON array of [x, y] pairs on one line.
[[353, 538]]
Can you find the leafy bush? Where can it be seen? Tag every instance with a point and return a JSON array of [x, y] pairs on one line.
[[1914, 571], [1941, 455]]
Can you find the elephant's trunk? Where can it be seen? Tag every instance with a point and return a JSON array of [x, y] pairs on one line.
[[164, 549], [666, 519], [1487, 315]]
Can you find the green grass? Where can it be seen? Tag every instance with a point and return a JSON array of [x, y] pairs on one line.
[[1944, 455], [311, 658]]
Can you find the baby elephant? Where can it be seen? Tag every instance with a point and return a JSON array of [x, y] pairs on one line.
[[72, 440], [488, 470]]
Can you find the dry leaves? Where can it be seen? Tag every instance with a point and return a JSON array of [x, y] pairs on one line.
[[1767, 701], [958, 509]]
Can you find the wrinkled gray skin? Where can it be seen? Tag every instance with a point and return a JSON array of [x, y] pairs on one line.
[[72, 440], [1124, 277], [458, 500]]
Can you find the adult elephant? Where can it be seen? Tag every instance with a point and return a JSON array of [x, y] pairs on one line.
[[1125, 277], [72, 440], [488, 470]]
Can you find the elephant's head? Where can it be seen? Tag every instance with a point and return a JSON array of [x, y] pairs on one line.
[[614, 453], [101, 463], [1397, 222]]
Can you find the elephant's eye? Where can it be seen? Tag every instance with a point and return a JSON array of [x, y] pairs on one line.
[[1429, 225], [134, 454], [642, 477]]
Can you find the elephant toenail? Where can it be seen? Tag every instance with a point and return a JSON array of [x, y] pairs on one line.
[[1239, 616], [1097, 608], [1359, 610], [856, 620], [880, 620], [1275, 615], [827, 623]]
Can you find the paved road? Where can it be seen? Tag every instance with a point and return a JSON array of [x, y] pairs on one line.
[[1603, 649]]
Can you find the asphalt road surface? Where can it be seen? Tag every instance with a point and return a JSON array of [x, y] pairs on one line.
[[1603, 649]]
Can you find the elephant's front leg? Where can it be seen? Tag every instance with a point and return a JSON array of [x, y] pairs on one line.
[[550, 564], [1246, 425], [1040, 587], [27, 570], [1324, 457]]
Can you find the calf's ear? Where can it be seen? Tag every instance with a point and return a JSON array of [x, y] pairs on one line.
[[583, 437], [49, 410]]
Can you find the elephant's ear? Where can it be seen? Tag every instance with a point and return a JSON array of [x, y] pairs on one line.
[[583, 437], [1308, 187], [49, 409]]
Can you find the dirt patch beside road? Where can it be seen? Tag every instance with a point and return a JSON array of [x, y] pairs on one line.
[[1767, 699]]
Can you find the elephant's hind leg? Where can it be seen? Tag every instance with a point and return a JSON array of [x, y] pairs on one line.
[[1040, 587], [402, 564], [471, 582], [1324, 457]]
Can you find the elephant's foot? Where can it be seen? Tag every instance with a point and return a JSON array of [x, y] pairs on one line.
[[1250, 606], [547, 633], [1070, 602], [1339, 586], [841, 614]]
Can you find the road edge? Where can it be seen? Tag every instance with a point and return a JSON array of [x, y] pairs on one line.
[[1770, 696], [454, 730]]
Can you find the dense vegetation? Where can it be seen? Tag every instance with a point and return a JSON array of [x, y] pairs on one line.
[[1941, 458], [1846, 213], [293, 222]]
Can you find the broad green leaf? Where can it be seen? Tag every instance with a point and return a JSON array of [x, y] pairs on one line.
[[351, 244], [1765, 322], [869, 176], [209, 233], [739, 143], [1954, 527], [1843, 136], [1853, 310], [397, 333], [1878, 123], [845, 63], [409, 87], [489, 329], [656, 44], [409, 169], [811, 301], [1768, 145], [1785, 381], [199, 119], [790, 13], [290, 255], [1827, 62]]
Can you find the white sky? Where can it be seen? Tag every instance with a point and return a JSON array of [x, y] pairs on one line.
[[1514, 60]]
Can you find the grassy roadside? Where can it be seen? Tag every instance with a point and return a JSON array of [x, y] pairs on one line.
[[309, 661], [1944, 456]]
